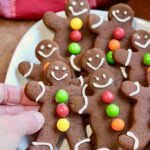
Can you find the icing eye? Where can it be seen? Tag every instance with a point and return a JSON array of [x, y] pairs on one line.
[[138, 37], [97, 55], [104, 76], [64, 68], [117, 11], [74, 3], [125, 12], [97, 78], [90, 59], [42, 47], [145, 36], [56, 68], [49, 46], [81, 4]]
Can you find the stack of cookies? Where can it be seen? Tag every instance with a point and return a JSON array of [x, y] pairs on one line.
[[95, 72]]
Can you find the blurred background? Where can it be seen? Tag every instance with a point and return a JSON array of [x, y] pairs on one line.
[[17, 16]]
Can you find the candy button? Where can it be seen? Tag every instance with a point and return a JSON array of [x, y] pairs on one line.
[[108, 97], [74, 48], [63, 125], [112, 110], [148, 69], [119, 33], [118, 124], [109, 58], [146, 59], [46, 65], [114, 45], [61, 96], [76, 23], [76, 36], [62, 110]]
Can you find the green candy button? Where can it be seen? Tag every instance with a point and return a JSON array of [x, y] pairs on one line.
[[61, 96], [74, 48], [112, 110], [109, 58], [146, 59]]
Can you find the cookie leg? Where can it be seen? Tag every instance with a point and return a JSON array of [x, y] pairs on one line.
[[76, 135], [48, 136], [31, 70]]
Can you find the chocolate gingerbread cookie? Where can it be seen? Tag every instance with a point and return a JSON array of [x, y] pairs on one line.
[[106, 105], [137, 59], [58, 118], [71, 33], [138, 136], [117, 31]]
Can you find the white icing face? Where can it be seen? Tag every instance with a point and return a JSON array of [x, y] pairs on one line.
[[101, 79], [78, 8], [59, 73], [142, 40], [121, 15], [47, 50], [95, 62]]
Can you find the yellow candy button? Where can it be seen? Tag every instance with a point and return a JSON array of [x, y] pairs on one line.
[[76, 23], [63, 125]]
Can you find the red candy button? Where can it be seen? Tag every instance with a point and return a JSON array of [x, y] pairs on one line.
[[108, 97], [119, 33], [76, 36], [62, 110]]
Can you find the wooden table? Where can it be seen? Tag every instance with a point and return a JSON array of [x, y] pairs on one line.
[[12, 31]]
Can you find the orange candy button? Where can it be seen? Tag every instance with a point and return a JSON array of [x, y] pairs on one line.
[[46, 65], [148, 69], [118, 124], [114, 45]]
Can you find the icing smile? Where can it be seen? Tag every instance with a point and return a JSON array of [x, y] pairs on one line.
[[100, 86], [120, 19], [58, 79], [143, 45], [49, 54], [96, 68], [74, 13]]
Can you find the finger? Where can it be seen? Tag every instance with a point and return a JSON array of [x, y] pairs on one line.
[[24, 123], [13, 110], [13, 95]]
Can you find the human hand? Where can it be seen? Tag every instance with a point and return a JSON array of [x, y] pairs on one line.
[[18, 117]]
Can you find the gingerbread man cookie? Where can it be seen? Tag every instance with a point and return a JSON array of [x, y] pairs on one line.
[[71, 33], [117, 31], [58, 118], [107, 108], [45, 52], [138, 136], [136, 60]]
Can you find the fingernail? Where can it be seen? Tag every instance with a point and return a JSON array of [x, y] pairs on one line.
[[40, 118]]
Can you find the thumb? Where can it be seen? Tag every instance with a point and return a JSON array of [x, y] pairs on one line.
[[14, 127], [27, 122]]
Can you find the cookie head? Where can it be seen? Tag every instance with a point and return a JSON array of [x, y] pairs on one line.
[[46, 49], [92, 60], [101, 80], [121, 13], [58, 73], [141, 40], [75, 8]]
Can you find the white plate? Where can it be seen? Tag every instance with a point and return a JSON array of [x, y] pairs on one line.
[[26, 47]]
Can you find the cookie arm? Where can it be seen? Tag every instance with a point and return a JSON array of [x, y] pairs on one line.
[[123, 57], [30, 70], [131, 89], [37, 91], [95, 23], [53, 21]]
